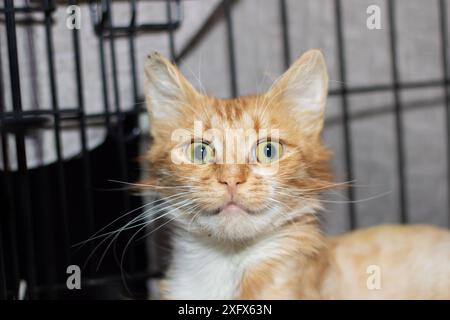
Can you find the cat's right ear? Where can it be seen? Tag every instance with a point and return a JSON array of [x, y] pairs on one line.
[[303, 89], [166, 89]]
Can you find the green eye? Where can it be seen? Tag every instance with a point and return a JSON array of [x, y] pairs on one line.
[[200, 152], [268, 151]]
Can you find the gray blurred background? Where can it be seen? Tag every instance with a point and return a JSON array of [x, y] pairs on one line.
[[259, 60]]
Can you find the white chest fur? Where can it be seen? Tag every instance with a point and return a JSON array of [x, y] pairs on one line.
[[203, 270]]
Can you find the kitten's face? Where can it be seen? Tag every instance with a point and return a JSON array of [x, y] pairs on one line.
[[234, 169]]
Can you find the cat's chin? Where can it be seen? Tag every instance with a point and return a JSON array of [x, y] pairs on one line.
[[234, 222]]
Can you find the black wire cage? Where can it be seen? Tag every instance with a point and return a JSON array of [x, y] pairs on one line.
[[48, 207]]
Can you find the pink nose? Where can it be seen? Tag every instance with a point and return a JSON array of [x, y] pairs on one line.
[[232, 182]]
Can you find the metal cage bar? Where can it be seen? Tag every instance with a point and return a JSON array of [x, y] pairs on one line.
[[230, 47], [446, 81], [57, 127], [132, 49], [86, 161], [172, 49], [399, 127], [120, 136], [284, 20], [8, 219], [25, 209], [348, 158]]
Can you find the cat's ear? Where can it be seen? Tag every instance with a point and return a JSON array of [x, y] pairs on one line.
[[166, 89], [303, 89]]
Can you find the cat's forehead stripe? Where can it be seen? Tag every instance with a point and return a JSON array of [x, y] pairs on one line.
[[231, 114]]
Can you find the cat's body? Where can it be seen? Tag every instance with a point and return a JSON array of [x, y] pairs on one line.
[[412, 262], [246, 228]]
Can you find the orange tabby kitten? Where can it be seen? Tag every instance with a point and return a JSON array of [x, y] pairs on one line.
[[243, 177]]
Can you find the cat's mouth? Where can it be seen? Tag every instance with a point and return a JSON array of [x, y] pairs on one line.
[[233, 207]]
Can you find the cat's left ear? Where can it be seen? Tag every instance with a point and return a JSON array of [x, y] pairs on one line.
[[167, 92], [303, 89]]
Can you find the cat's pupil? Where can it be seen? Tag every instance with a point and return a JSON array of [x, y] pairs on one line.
[[268, 150], [199, 152]]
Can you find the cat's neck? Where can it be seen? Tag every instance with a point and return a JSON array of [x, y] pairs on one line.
[[203, 268]]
